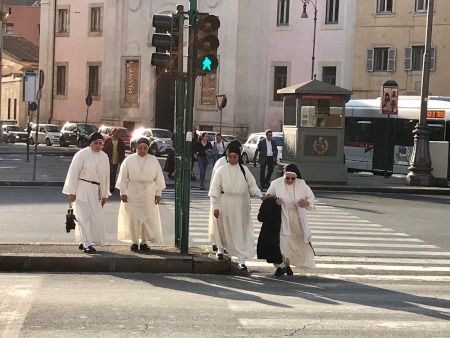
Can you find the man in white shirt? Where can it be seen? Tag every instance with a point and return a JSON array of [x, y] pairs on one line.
[[218, 146]]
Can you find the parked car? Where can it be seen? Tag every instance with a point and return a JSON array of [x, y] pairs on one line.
[[211, 134], [48, 134], [227, 139], [159, 140], [13, 133], [124, 134], [76, 134], [249, 147]]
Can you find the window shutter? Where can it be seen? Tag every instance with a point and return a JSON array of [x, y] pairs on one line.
[[392, 52], [433, 58], [408, 58], [369, 61]]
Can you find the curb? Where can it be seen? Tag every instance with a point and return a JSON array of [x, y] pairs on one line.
[[36, 259], [331, 188]]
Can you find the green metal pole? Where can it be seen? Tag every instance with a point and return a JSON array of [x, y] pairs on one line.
[[179, 150], [188, 119]]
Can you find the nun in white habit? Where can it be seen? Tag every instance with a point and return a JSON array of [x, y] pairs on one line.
[[230, 192], [295, 197], [214, 222], [141, 182], [88, 189]]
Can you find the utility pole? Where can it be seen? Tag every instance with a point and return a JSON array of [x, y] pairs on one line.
[[1, 57], [420, 166]]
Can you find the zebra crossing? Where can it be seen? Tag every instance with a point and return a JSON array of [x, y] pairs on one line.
[[343, 242]]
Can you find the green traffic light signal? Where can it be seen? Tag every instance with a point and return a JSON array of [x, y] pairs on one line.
[[208, 63], [207, 44]]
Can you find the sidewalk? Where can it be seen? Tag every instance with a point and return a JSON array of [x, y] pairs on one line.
[[52, 164]]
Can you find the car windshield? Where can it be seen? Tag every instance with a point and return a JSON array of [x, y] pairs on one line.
[[52, 129], [162, 133], [13, 128], [124, 132], [90, 128], [278, 140]]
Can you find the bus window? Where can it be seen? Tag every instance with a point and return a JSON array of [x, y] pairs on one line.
[[357, 130], [404, 135], [437, 131]]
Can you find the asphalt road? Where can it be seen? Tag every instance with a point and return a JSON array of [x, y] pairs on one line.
[[346, 224], [156, 305]]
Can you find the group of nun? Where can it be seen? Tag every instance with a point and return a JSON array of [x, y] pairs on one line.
[[140, 182], [285, 234]]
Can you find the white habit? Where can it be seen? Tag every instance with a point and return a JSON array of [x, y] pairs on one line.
[[91, 166], [212, 220], [230, 192], [141, 179], [295, 234]]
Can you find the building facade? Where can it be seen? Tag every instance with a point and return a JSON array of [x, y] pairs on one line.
[[290, 48], [24, 19], [397, 30]]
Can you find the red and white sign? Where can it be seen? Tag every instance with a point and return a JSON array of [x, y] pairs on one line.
[[221, 101], [389, 100]]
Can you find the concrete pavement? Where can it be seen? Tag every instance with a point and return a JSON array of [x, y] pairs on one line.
[[50, 170]]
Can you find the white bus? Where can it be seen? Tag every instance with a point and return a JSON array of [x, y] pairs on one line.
[[374, 142]]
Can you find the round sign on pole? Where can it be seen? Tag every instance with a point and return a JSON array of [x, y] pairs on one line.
[[89, 100], [33, 106]]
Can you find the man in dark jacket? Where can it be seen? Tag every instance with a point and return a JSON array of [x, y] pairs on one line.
[[114, 147], [268, 151]]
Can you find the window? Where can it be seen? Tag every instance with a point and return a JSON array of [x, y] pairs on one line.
[[421, 5], [280, 81], [93, 80], [329, 75], [95, 20], [381, 60], [131, 90], [63, 21], [283, 13], [61, 79], [384, 6], [414, 58], [332, 13], [9, 28], [38, 32]]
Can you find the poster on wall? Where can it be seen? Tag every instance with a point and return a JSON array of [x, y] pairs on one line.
[[389, 100], [317, 145], [132, 82], [209, 88]]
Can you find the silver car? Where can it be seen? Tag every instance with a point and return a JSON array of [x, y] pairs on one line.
[[249, 147], [48, 134], [159, 140]]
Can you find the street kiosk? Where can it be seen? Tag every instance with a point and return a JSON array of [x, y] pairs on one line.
[[313, 128]]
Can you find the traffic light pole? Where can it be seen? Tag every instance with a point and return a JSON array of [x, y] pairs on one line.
[[188, 120]]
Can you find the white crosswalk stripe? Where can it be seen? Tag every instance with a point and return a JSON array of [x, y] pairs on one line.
[[338, 233]]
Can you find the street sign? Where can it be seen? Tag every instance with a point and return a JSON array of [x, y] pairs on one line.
[[221, 101], [33, 106], [89, 100], [41, 79], [29, 86]]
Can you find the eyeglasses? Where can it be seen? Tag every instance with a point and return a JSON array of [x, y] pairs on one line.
[[290, 178], [97, 142]]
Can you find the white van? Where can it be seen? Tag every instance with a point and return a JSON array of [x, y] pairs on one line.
[[48, 134]]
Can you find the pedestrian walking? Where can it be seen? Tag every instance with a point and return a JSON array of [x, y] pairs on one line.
[[87, 184], [230, 192], [213, 222], [268, 152], [195, 138], [141, 182], [200, 154], [218, 147], [169, 167], [114, 147], [294, 196]]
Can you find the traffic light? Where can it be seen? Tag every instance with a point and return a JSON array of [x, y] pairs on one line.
[[168, 40], [207, 44]]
